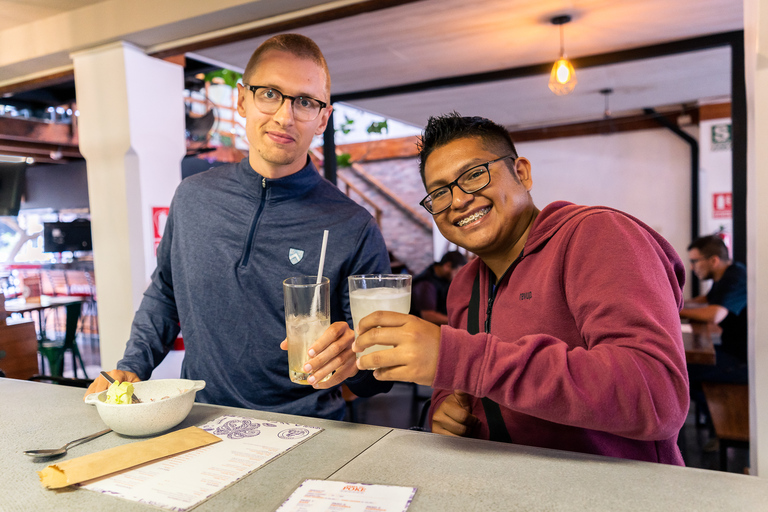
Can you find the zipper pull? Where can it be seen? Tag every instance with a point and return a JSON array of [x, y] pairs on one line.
[[488, 315], [263, 182]]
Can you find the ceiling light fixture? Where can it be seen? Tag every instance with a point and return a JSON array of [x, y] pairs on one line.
[[562, 80], [606, 93]]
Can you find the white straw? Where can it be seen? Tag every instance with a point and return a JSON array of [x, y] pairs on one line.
[[316, 296], [322, 257]]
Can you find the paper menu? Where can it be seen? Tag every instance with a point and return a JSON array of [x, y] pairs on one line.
[[325, 495], [181, 482]]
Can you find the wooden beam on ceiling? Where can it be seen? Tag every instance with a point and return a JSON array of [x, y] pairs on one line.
[[604, 126], [37, 83]]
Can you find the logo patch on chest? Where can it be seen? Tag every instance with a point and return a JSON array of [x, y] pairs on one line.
[[295, 255], [526, 296]]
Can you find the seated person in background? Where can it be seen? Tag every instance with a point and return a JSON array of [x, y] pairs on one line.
[[725, 305], [579, 344], [430, 288], [235, 232], [398, 267]]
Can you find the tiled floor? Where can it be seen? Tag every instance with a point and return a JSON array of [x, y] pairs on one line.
[[403, 405]]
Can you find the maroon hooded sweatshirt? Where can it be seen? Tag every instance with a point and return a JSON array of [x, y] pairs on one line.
[[584, 350]]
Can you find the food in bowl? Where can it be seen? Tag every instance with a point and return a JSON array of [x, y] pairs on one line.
[[119, 393], [165, 404]]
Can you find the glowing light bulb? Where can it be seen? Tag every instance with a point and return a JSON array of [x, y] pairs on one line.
[[562, 80]]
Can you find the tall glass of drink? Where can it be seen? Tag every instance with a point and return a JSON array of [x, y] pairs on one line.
[[307, 316], [378, 292]]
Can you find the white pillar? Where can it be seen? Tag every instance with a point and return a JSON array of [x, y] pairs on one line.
[[756, 63], [131, 132]]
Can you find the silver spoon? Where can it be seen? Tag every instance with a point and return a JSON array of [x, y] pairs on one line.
[[63, 449], [134, 398]]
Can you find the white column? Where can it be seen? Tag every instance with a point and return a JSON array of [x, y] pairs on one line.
[[756, 63], [131, 132]]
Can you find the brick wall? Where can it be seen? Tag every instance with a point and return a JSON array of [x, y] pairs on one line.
[[406, 239]]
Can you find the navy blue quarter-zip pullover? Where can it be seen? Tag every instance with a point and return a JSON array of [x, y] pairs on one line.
[[231, 238]]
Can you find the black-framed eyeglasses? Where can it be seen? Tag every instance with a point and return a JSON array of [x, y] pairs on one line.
[[470, 181], [269, 100]]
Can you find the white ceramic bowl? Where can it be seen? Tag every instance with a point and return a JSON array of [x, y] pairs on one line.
[[156, 414]]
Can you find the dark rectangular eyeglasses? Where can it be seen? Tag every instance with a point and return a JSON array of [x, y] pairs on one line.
[[269, 100], [470, 181]]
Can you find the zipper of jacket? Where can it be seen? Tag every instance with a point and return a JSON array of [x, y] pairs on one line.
[[252, 230], [492, 294]]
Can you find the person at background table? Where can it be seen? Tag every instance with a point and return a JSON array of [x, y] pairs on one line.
[[429, 291], [235, 232], [580, 344], [725, 305]]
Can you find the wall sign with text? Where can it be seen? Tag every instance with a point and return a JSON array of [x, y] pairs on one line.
[[721, 137], [722, 205]]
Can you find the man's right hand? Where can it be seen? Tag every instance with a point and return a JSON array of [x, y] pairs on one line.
[[100, 384], [453, 416]]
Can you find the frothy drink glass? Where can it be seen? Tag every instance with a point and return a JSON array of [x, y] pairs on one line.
[[307, 316], [378, 292]]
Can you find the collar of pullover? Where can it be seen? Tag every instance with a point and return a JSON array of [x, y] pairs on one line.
[[281, 189]]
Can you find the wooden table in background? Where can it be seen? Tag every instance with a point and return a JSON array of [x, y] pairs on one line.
[[699, 344], [20, 306], [46, 302]]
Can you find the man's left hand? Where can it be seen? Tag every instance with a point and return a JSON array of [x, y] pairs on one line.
[[330, 352], [415, 347]]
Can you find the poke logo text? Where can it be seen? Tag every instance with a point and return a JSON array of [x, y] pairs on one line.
[[353, 488]]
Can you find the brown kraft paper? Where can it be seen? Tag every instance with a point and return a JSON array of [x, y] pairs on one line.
[[116, 459]]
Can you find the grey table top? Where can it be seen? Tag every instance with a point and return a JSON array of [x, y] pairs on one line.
[[450, 473]]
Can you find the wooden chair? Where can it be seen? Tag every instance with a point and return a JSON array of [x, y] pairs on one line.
[[18, 349], [729, 408]]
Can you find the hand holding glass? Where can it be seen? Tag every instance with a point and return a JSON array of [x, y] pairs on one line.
[[378, 292], [307, 316]]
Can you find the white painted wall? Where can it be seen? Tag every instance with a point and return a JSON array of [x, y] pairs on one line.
[[645, 173]]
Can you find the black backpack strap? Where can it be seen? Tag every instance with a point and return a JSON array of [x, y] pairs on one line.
[[496, 424], [473, 314]]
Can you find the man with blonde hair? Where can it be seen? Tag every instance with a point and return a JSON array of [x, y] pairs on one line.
[[235, 232]]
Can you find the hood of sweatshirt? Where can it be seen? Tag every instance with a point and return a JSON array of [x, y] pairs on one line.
[[555, 215]]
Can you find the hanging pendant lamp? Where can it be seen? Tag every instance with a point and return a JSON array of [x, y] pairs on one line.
[[562, 80]]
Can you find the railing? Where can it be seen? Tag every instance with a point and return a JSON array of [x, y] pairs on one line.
[[349, 186], [383, 190]]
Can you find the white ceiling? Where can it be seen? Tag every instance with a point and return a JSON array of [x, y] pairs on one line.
[[443, 38], [432, 39]]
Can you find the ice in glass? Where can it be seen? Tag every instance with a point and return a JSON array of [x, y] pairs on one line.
[[307, 316]]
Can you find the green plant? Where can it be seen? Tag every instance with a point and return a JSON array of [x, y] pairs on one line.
[[378, 127], [223, 76], [346, 126], [344, 160]]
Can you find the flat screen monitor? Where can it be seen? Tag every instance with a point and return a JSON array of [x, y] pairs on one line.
[[67, 236], [12, 183]]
